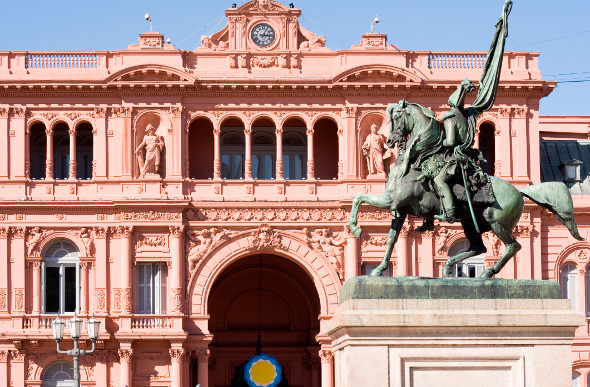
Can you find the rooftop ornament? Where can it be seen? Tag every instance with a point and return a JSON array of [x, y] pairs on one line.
[[148, 18], [375, 21]]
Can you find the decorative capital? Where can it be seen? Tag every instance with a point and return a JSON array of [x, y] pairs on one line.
[[326, 356], [175, 111], [203, 355], [176, 231], [125, 231], [19, 112], [123, 111], [4, 112], [177, 354], [101, 232], [18, 232], [100, 112], [504, 112], [125, 354]]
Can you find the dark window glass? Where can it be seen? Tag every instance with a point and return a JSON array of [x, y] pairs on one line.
[[70, 288], [52, 290]]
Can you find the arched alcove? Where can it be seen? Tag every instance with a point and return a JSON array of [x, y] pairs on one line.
[[61, 151], [487, 146], [38, 151], [294, 149], [264, 149], [232, 149], [268, 295], [84, 150], [201, 149], [325, 140]]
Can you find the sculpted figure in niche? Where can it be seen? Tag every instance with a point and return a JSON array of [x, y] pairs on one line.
[[87, 240], [35, 236], [375, 152], [197, 245], [148, 152]]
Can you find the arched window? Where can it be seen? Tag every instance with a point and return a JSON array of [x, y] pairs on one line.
[[61, 151], [201, 149], [232, 149], [325, 144], [294, 150], [61, 278], [38, 151], [575, 379], [264, 149], [487, 146], [470, 267], [569, 284], [84, 151], [58, 374]]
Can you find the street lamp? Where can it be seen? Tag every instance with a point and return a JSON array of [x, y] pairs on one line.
[[92, 326]]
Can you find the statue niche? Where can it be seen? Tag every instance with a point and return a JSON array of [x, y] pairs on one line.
[[377, 157], [149, 153]]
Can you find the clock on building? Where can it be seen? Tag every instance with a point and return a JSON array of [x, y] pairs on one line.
[[263, 35]]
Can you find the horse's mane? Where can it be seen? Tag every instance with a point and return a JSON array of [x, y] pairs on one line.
[[423, 141]]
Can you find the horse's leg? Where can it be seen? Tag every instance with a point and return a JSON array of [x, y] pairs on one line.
[[512, 247], [396, 226], [476, 247], [379, 201]]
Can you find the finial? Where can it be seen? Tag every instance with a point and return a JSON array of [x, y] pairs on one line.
[[148, 18]]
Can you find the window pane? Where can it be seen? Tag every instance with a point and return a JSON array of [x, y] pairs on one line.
[[286, 169], [51, 289], [70, 288], [238, 167], [225, 166], [269, 167], [297, 167], [256, 166]]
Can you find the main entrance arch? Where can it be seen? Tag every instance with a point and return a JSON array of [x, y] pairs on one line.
[[273, 295]]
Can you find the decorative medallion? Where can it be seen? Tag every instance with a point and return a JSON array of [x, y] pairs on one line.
[[263, 371]]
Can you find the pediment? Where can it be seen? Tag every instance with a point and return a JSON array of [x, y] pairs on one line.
[[263, 6], [382, 74], [151, 74]]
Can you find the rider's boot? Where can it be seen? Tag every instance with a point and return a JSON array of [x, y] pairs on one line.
[[427, 225]]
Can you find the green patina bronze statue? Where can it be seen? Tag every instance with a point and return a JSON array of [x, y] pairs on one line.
[[437, 174]]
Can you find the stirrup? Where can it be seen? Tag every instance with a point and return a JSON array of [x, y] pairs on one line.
[[448, 217]]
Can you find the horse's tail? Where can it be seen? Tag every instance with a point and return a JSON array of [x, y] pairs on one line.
[[556, 198]]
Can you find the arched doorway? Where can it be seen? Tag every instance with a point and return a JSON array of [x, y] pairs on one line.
[[287, 319]]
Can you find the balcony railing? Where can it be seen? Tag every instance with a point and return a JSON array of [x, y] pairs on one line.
[[61, 61], [151, 322], [456, 61]]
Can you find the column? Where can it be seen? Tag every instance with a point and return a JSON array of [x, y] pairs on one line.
[[525, 265], [175, 275], [17, 271], [248, 161], [203, 367], [4, 148], [310, 163], [84, 288], [36, 287], [341, 152], [49, 157], [351, 256], [101, 367], [100, 143], [279, 139], [4, 259], [216, 152], [582, 295], [101, 274], [125, 136], [17, 368], [401, 249], [505, 150], [174, 149], [4, 368], [498, 152], [18, 142], [350, 136], [427, 255], [73, 175], [521, 143], [126, 355], [316, 377], [177, 358], [327, 360], [126, 232]]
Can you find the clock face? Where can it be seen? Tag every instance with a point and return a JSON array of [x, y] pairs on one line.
[[263, 35]]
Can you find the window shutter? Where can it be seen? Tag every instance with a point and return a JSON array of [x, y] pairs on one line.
[[587, 289], [575, 379], [149, 288], [141, 288], [163, 288]]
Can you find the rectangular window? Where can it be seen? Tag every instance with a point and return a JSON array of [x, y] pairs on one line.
[[61, 289], [151, 281], [293, 166]]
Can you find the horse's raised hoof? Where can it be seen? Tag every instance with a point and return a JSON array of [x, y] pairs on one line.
[[447, 271], [487, 273], [355, 230], [376, 272]]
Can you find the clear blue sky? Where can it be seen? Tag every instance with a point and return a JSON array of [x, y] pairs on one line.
[[411, 25]]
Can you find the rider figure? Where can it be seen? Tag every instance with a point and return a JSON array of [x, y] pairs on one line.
[[458, 137]]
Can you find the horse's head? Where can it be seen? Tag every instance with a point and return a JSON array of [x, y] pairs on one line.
[[400, 124]]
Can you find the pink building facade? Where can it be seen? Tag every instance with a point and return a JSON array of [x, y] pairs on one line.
[[190, 199]]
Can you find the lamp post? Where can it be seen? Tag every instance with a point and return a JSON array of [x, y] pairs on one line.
[[92, 326]]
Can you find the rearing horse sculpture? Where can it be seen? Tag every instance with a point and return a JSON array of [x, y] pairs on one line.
[[415, 129]]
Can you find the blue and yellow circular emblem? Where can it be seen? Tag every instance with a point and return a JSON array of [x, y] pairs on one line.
[[263, 371]]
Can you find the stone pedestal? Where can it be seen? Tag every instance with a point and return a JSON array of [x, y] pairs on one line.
[[423, 332]]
